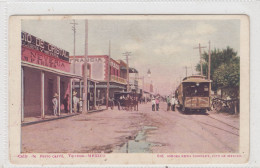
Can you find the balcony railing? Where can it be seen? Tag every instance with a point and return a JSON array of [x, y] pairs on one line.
[[114, 78]]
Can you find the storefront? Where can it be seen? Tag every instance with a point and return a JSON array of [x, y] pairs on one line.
[[98, 75], [45, 71]]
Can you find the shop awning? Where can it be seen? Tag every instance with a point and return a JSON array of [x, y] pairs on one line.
[[47, 69]]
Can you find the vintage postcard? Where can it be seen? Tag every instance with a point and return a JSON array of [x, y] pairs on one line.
[[129, 89]]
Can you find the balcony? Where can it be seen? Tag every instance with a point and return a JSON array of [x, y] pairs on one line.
[[117, 79]]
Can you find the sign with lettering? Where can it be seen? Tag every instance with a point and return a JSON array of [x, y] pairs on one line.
[[97, 59], [37, 57], [35, 43]]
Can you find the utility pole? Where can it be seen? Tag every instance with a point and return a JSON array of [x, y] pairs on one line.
[[127, 54], [209, 62], [74, 50], [85, 77], [209, 73], [108, 77], [200, 47]]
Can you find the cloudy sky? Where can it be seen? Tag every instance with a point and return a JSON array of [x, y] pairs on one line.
[[165, 46]]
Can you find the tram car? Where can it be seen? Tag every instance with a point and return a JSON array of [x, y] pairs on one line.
[[194, 94]]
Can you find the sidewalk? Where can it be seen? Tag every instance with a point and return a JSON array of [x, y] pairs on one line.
[[38, 119]]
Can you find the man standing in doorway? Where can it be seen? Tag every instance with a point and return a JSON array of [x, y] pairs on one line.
[[75, 101], [55, 103]]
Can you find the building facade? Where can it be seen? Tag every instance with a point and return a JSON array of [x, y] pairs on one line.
[[45, 71], [101, 72]]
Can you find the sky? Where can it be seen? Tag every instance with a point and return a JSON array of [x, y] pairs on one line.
[[165, 46]]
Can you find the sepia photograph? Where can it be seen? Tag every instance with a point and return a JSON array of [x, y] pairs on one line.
[[121, 84]]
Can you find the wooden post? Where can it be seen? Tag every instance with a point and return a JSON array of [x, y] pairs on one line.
[[108, 77], [95, 94], [58, 91], [85, 77], [80, 89], [71, 96], [42, 95], [22, 99], [88, 92]]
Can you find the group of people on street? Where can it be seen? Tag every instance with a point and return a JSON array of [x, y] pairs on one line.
[[76, 103], [171, 102], [155, 103]]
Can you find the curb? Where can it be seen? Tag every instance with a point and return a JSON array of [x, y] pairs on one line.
[[45, 120]]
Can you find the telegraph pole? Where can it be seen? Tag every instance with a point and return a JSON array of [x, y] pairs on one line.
[[85, 77], [200, 47], [108, 77], [74, 50], [127, 54], [209, 62]]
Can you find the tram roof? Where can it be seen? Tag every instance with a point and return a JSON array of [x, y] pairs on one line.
[[196, 80]]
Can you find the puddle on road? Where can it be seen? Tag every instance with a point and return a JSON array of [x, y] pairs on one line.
[[138, 144]]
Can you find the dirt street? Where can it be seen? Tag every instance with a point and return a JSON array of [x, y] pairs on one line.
[[134, 132]]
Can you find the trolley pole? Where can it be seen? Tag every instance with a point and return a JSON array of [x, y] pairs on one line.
[[85, 77], [127, 54], [108, 76], [74, 50], [209, 75], [200, 47], [209, 62]]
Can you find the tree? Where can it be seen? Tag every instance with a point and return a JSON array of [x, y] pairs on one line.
[[220, 62], [227, 76]]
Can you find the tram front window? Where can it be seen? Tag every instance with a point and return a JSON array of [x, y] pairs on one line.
[[196, 90]]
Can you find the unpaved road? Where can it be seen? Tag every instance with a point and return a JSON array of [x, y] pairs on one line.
[[192, 133], [110, 130]]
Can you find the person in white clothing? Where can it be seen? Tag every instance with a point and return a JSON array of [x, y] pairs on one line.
[[75, 101], [173, 101], [153, 104], [55, 103]]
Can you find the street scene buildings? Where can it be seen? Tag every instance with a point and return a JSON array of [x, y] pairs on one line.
[[130, 86]]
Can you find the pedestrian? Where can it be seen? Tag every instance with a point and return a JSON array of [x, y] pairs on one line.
[[65, 103], [173, 103], [80, 105], [153, 104], [168, 103], [75, 101], [55, 103], [157, 103]]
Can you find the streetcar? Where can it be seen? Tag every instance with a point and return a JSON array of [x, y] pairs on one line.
[[193, 93]]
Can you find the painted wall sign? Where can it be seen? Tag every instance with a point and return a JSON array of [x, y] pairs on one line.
[[37, 57], [35, 43]]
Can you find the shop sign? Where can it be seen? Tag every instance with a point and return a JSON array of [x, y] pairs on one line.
[[89, 60], [35, 43], [40, 58]]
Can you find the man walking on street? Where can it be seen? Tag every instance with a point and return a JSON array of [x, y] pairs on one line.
[[153, 104], [168, 103], [157, 103], [173, 104]]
